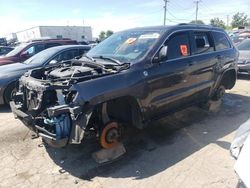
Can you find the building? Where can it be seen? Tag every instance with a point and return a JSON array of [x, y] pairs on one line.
[[78, 33], [11, 38]]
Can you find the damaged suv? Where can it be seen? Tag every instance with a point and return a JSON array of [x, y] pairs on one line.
[[131, 78]]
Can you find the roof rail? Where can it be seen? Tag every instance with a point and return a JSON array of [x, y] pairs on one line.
[[193, 24], [47, 39]]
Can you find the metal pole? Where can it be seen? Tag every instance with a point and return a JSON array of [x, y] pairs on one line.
[[197, 9], [227, 20], [165, 11]]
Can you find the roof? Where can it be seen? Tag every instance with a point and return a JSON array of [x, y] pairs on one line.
[[62, 47], [178, 26]]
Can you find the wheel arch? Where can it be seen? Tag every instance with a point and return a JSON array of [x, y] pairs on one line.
[[228, 79], [9, 86], [124, 109]]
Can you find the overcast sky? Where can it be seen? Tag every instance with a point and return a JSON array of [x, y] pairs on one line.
[[16, 15]]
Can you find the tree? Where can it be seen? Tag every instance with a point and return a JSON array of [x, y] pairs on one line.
[[218, 23], [103, 35], [239, 20], [198, 22], [109, 33]]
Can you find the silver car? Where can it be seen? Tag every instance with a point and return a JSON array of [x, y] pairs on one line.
[[244, 58]]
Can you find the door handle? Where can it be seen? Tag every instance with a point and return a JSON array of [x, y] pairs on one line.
[[190, 64], [220, 57]]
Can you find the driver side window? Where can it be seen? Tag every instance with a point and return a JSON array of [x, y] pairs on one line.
[[178, 46], [30, 51], [66, 55]]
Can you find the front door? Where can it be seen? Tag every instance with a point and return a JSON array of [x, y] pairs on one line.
[[168, 79]]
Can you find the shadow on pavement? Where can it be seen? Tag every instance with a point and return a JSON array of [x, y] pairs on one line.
[[4, 109], [159, 146]]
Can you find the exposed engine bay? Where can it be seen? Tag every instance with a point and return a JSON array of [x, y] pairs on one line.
[[45, 100]]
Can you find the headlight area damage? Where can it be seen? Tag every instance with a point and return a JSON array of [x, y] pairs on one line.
[[48, 104]]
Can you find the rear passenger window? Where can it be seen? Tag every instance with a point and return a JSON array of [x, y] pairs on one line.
[[221, 41], [203, 43], [178, 46]]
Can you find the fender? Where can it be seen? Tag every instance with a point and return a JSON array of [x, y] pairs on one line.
[[128, 83], [219, 79]]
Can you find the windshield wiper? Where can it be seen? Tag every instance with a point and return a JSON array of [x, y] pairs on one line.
[[109, 58], [88, 57]]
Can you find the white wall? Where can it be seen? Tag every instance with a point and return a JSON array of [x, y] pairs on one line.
[[29, 34], [11, 37], [72, 32]]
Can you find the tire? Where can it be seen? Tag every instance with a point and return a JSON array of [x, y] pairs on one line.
[[9, 92]]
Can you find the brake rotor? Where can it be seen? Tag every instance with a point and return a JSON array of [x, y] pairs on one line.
[[110, 135]]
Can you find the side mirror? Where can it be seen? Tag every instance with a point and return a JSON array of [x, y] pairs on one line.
[[25, 55], [161, 55], [53, 62]]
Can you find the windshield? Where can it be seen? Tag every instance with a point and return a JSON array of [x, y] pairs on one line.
[[126, 46], [17, 49], [244, 45], [42, 56]]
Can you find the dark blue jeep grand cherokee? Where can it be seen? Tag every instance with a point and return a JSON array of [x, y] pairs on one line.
[[131, 78]]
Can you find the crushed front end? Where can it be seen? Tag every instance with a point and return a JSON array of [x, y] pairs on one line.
[[45, 101]]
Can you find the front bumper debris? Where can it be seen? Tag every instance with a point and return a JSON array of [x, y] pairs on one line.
[[63, 125]]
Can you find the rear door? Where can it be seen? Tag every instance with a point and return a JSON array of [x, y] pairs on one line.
[[202, 67]]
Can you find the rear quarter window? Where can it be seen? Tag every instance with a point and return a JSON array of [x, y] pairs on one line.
[[221, 41]]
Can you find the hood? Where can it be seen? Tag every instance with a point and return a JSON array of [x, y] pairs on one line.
[[6, 60], [17, 68], [244, 55]]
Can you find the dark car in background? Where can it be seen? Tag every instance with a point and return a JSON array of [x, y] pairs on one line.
[[3, 42], [5, 49], [26, 50], [244, 58], [9, 74], [130, 79]]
